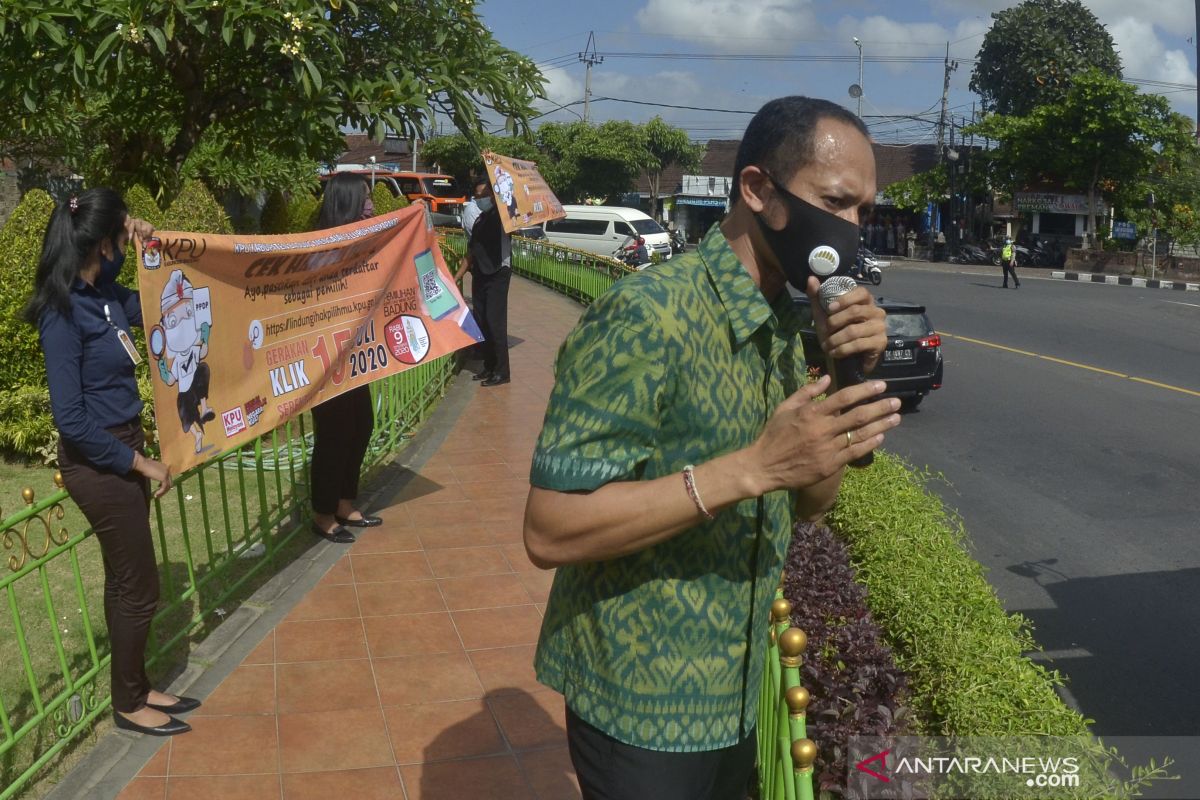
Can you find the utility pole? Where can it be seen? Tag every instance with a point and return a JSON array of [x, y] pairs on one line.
[[858, 44], [589, 57], [950, 67], [1196, 36]]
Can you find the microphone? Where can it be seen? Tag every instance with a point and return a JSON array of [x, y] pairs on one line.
[[846, 371]]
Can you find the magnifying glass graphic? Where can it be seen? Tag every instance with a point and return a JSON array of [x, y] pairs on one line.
[[157, 341]]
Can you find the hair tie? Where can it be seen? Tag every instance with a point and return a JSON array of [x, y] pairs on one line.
[[73, 204]]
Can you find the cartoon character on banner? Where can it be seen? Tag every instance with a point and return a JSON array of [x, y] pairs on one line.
[[180, 344], [505, 191]]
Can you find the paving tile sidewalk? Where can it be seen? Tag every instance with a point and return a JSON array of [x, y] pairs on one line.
[[406, 672]]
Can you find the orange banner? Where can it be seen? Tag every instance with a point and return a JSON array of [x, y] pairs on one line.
[[245, 332], [521, 193]]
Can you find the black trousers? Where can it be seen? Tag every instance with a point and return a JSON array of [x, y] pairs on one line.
[[611, 770], [1010, 269], [489, 297], [341, 433], [118, 509]]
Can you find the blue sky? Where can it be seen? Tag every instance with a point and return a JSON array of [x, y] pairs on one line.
[[1152, 37]]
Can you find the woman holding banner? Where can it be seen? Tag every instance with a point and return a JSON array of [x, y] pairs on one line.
[[84, 317], [342, 425]]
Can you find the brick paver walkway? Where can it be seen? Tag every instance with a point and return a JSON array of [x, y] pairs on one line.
[[407, 671]]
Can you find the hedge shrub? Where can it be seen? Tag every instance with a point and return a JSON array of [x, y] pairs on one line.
[[20, 247], [385, 202], [195, 209], [274, 217], [302, 213], [964, 655]]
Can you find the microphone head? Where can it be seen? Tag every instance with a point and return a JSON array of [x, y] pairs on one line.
[[835, 287]]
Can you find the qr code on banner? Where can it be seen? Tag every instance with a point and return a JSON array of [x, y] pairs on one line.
[[431, 288]]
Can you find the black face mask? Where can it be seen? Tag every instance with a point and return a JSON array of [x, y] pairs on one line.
[[813, 242]]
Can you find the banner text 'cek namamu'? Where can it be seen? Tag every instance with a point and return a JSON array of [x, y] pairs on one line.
[[245, 332], [521, 193]]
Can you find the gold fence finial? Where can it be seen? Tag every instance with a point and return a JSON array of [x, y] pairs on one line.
[[804, 753], [781, 610], [797, 699], [792, 644], [27, 495]]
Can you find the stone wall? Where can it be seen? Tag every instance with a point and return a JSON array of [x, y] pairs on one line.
[[1131, 263]]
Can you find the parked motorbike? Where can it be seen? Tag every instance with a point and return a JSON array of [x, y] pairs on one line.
[[971, 254]]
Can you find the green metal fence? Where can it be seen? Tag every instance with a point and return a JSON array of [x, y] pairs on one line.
[[225, 528], [785, 753]]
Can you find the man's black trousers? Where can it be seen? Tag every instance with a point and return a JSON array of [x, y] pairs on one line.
[[611, 770], [489, 297]]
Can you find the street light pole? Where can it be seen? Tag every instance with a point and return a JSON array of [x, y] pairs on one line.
[[858, 44]]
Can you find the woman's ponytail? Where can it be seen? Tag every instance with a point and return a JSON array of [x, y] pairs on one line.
[[76, 227]]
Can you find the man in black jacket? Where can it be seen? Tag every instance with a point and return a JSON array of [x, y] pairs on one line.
[[489, 256]]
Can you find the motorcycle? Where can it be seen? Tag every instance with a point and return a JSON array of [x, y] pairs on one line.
[[867, 268], [971, 254], [678, 242], [633, 254]]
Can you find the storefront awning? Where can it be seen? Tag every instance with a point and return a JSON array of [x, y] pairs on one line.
[[709, 202]]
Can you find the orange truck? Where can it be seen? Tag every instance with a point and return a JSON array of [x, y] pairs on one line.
[[441, 193]]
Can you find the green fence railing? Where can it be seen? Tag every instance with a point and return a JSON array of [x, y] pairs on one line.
[[225, 528], [785, 753]]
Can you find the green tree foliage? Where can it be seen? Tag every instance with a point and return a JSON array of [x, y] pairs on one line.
[[1102, 135], [663, 146], [20, 247], [195, 209], [274, 218], [129, 92], [1033, 50], [1174, 181], [459, 155], [916, 192], [582, 161]]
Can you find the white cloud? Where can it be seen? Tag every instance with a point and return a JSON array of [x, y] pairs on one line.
[[1144, 56], [724, 25], [561, 87]]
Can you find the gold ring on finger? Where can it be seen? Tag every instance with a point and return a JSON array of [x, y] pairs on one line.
[[849, 439]]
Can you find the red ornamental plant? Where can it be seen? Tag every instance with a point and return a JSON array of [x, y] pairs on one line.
[[856, 688]]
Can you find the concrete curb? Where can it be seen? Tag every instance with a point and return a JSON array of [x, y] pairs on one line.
[[117, 756], [1125, 280]]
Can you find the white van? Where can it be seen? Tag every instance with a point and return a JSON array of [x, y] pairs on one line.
[[602, 229]]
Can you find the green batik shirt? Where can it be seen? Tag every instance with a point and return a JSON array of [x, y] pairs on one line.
[[682, 362]]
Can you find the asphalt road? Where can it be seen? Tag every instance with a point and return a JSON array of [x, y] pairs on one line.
[[1068, 437]]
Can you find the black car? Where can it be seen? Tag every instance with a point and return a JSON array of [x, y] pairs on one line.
[[912, 363]]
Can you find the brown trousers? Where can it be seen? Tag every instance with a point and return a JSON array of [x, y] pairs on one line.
[[118, 509]]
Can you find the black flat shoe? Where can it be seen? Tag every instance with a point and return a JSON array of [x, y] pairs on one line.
[[482, 376], [181, 706], [338, 535], [367, 521], [172, 728], [496, 380]]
